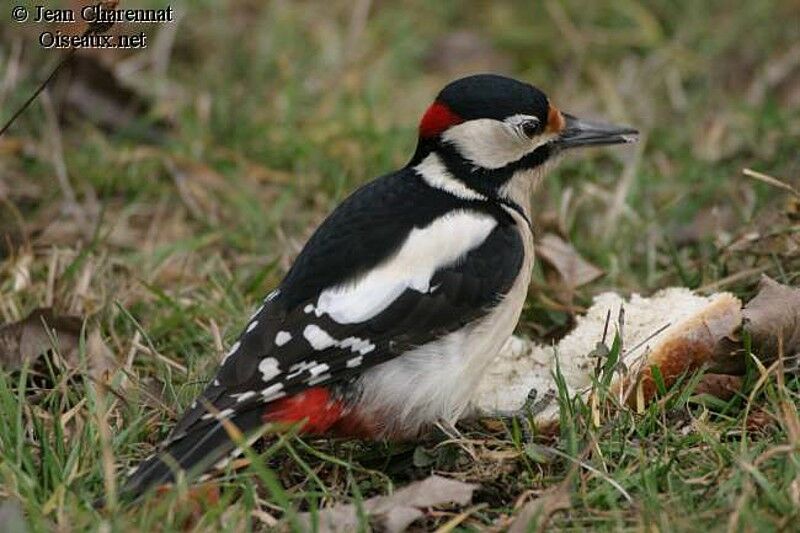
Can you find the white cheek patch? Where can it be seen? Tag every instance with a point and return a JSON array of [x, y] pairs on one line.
[[493, 144], [487, 143], [442, 243]]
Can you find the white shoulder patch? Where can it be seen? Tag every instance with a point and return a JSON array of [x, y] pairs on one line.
[[442, 243]]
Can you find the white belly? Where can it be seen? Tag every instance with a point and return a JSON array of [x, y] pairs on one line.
[[436, 381]]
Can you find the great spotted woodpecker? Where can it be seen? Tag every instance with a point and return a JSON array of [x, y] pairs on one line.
[[406, 292]]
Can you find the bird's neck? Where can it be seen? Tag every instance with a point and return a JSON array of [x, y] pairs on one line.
[[442, 166]]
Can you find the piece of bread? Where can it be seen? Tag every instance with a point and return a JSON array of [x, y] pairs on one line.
[[675, 330]]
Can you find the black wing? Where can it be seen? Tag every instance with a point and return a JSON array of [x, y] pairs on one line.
[[264, 366]]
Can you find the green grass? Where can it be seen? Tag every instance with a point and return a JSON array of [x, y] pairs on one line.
[[278, 111]]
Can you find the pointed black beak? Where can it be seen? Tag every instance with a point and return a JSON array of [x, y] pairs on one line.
[[578, 132]]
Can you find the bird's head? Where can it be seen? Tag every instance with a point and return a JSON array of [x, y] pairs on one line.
[[485, 129]]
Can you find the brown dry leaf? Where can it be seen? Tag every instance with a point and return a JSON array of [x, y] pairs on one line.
[[31, 337], [771, 317], [395, 512], [27, 339], [573, 269], [539, 511], [774, 316]]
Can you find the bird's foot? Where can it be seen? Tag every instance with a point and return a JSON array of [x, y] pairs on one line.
[[526, 414]]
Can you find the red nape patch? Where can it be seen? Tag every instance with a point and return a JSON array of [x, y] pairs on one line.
[[315, 405], [436, 119]]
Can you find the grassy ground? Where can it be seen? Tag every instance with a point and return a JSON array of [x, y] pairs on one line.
[[165, 231]]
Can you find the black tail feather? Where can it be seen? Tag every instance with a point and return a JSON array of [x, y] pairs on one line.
[[195, 453]]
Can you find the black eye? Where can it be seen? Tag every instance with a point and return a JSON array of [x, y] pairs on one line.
[[531, 127]]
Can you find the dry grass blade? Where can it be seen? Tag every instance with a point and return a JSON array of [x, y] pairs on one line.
[[539, 511], [775, 182]]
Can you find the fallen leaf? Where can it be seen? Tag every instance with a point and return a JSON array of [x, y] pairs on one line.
[[397, 511], [28, 339], [573, 269], [538, 512], [772, 318], [35, 335]]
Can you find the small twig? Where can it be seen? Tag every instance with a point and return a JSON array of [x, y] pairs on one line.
[[733, 278], [95, 28], [605, 326], [39, 89]]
